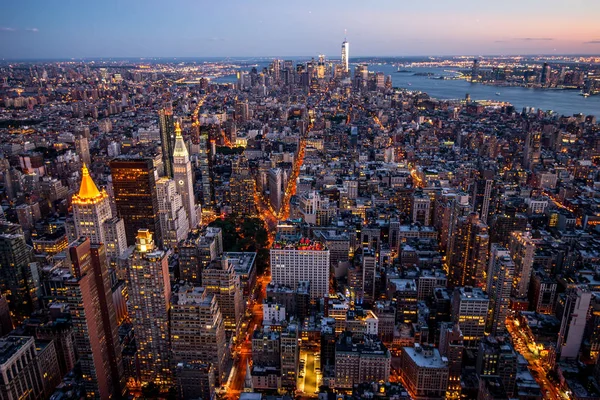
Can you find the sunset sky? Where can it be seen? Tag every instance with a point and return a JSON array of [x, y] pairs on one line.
[[149, 28]]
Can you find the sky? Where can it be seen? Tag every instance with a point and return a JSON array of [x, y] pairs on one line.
[[34, 29]]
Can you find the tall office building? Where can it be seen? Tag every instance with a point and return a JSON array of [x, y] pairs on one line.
[[421, 208], [276, 70], [95, 326], [82, 148], [115, 240], [475, 71], [482, 195], [183, 177], [467, 259], [572, 326], [276, 188], [500, 273], [452, 347], [91, 209], [346, 56], [242, 188], [305, 260], [205, 159], [496, 357], [174, 224], [448, 211], [289, 353], [167, 136], [470, 310], [522, 251], [533, 149], [542, 296], [220, 279], [197, 329], [369, 271], [504, 223], [546, 74], [17, 278], [149, 299], [134, 188]]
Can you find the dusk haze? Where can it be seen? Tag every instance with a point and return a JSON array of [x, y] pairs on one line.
[[235, 28]]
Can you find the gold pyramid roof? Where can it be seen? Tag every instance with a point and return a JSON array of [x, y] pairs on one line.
[[88, 189]]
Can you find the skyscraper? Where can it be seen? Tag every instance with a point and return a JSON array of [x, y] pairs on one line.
[[475, 71], [275, 188], [149, 299], [546, 72], [197, 329], [174, 224], [135, 195], [482, 194], [205, 160], [94, 321], [452, 347], [533, 149], [82, 147], [220, 279], [470, 311], [242, 187], [468, 256], [500, 276], [345, 56], [167, 136], [573, 322], [16, 275], [91, 209], [522, 251], [182, 174], [369, 270]]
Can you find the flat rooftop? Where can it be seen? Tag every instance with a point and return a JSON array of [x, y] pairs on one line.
[[424, 358], [243, 262], [10, 345]]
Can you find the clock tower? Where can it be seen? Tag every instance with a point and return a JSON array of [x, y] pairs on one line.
[[182, 174]]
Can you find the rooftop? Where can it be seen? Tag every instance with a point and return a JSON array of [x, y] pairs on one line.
[[10, 345], [472, 293], [425, 358], [303, 244], [242, 261]]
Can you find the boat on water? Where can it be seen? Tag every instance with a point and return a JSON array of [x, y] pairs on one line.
[[585, 94], [497, 93]]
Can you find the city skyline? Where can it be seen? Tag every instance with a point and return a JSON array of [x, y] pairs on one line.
[[42, 30], [265, 228]]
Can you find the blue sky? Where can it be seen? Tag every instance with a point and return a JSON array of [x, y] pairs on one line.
[[149, 28]]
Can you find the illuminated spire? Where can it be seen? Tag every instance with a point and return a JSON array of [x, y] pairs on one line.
[[180, 150], [88, 189]]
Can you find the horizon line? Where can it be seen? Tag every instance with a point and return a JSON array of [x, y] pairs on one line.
[[92, 58]]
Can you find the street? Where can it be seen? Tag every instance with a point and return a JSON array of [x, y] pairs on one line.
[[549, 390], [244, 348]]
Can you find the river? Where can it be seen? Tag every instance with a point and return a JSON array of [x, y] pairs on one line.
[[566, 102]]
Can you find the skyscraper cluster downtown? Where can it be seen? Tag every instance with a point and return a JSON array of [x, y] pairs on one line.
[[305, 230]]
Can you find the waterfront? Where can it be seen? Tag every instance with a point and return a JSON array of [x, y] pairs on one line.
[[566, 102]]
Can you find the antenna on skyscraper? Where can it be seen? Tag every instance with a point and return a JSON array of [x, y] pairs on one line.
[[345, 31]]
